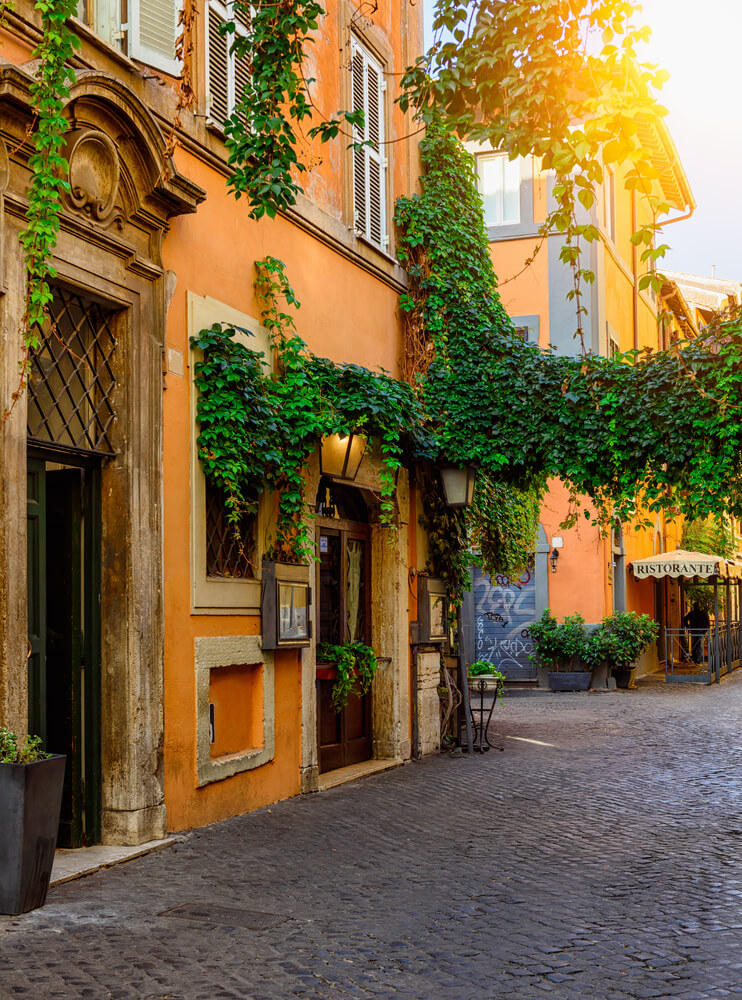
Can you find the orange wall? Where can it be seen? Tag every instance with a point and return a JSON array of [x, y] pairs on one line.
[[577, 584]]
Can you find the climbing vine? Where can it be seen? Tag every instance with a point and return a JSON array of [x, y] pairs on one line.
[[48, 165], [263, 132], [258, 426]]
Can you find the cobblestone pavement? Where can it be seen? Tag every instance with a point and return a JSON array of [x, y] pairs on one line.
[[598, 857]]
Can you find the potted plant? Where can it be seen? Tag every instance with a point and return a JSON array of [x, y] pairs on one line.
[[561, 649], [352, 665], [30, 802], [484, 670], [623, 636]]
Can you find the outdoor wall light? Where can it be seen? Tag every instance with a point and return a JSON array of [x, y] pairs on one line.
[[458, 484], [554, 559], [340, 455]]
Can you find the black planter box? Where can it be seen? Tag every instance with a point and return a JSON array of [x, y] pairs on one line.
[[569, 680], [30, 802]]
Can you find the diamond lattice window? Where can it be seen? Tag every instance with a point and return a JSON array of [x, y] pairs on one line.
[[228, 553], [72, 377]]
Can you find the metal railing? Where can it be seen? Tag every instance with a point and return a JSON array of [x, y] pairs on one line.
[[702, 655]]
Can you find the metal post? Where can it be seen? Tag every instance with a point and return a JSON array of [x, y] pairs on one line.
[[716, 629], [729, 627]]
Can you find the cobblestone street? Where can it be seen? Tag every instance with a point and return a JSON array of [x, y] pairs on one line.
[[598, 857]]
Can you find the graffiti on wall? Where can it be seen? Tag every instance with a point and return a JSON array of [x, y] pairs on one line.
[[503, 612]]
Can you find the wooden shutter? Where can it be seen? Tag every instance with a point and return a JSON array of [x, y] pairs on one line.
[[369, 162], [226, 76], [153, 32], [217, 64]]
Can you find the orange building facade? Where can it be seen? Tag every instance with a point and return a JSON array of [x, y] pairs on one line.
[[172, 706], [576, 569]]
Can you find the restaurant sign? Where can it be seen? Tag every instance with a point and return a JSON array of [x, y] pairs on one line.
[[674, 567]]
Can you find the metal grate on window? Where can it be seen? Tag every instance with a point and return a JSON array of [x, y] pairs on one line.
[[72, 378], [228, 553]]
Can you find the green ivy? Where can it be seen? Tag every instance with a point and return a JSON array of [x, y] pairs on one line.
[[258, 427], [48, 167], [263, 132]]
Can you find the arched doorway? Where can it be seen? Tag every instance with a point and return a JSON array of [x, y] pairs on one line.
[[343, 614]]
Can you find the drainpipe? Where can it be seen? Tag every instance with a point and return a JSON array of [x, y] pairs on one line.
[[635, 272]]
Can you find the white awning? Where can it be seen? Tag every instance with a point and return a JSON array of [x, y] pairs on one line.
[[679, 563]]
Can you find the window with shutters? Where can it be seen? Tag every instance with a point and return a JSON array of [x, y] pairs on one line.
[[369, 159], [146, 30], [226, 75]]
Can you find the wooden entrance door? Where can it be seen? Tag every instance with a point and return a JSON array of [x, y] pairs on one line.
[[63, 574], [343, 588]]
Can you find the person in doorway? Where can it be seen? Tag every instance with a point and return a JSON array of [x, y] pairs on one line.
[[697, 622]]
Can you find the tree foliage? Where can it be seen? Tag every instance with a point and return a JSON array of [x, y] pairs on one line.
[[557, 80]]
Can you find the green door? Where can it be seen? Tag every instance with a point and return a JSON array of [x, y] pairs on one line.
[[36, 584], [64, 600]]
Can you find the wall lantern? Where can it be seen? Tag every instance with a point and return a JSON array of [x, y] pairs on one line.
[[340, 455], [458, 484], [554, 559]]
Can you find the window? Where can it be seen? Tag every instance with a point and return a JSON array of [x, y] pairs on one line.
[[369, 161], [229, 548], [499, 185], [226, 75], [609, 203], [146, 30]]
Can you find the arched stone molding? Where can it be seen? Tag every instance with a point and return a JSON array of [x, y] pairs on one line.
[[109, 250], [389, 626]]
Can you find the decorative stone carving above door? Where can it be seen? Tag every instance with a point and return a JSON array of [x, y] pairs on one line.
[[94, 176]]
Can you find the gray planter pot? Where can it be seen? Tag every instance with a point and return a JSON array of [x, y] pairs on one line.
[[569, 680], [30, 802]]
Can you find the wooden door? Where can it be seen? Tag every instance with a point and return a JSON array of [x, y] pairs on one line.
[[343, 589]]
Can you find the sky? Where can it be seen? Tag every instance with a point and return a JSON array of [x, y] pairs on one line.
[[699, 44]]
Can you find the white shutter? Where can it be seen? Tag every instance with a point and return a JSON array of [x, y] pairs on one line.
[[369, 163], [217, 64], [225, 75], [153, 32]]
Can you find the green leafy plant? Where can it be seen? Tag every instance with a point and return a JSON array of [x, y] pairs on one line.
[[20, 750], [621, 638], [485, 668], [559, 646], [356, 666]]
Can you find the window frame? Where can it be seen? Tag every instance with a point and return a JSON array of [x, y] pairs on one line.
[[507, 163]]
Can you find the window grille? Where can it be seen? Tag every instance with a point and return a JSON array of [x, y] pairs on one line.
[[369, 160], [226, 75], [228, 553], [72, 378]]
